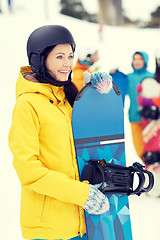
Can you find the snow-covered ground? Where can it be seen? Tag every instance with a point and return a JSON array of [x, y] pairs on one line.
[[116, 49]]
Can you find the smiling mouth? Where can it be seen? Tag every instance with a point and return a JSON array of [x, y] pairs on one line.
[[64, 72]]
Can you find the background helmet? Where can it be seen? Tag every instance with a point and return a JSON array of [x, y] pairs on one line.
[[45, 38], [86, 55]]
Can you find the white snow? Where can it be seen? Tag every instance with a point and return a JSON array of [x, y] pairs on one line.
[[116, 50]]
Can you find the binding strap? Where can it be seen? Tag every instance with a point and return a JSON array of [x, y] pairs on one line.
[[117, 179]]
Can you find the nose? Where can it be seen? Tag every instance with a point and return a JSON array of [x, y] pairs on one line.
[[66, 62]]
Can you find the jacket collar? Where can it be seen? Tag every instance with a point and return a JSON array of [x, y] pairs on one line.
[[27, 83]]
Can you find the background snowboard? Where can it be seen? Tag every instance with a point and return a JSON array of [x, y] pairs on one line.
[[149, 107], [120, 79], [98, 130]]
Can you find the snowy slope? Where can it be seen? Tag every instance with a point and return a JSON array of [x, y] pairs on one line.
[[116, 50]]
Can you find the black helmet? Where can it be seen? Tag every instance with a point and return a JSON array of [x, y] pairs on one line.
[[42, 39]]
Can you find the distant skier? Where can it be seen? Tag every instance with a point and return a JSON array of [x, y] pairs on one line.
[[100, 31], [10, 5], [139, 64], [157, 70], [0, 7]]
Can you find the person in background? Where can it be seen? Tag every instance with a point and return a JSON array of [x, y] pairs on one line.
[[53, 198], [10, 5], [88, 60], [157, 62], [100, 31], [139, 65]]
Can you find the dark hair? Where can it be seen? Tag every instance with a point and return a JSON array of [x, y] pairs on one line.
[[71, 92]]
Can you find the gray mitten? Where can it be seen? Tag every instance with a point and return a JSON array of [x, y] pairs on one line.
[[97, 202]]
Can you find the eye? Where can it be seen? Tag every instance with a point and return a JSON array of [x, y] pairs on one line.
[[71, 57], [59, 57]]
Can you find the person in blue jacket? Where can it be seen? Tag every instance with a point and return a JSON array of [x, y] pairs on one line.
[[10, 5], [139, 64]]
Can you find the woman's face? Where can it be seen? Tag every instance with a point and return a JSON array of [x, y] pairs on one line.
[[59, 62], [138, 61]]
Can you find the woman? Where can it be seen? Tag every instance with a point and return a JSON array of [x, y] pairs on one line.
[[41, 140]]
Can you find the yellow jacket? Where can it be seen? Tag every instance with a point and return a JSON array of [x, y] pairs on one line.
[[42, 144]]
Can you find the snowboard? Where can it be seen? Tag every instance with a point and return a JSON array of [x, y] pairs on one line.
[[149, 88], [120, 80], [98, 131]]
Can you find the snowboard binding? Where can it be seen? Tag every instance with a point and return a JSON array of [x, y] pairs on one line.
[[117, 179]]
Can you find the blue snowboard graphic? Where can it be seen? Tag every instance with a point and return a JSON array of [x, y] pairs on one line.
[[98, 130]]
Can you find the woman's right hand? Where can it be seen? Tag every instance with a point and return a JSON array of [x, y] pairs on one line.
[[97, 202]]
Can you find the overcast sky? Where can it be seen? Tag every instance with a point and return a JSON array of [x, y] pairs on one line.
[[134, 9]]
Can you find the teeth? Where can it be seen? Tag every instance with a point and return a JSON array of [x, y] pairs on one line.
[[64, 71]]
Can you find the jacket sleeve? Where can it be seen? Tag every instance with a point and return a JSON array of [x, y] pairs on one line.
[[33, 174]]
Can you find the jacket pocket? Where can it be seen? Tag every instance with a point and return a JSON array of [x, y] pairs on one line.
[[45, 208]]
